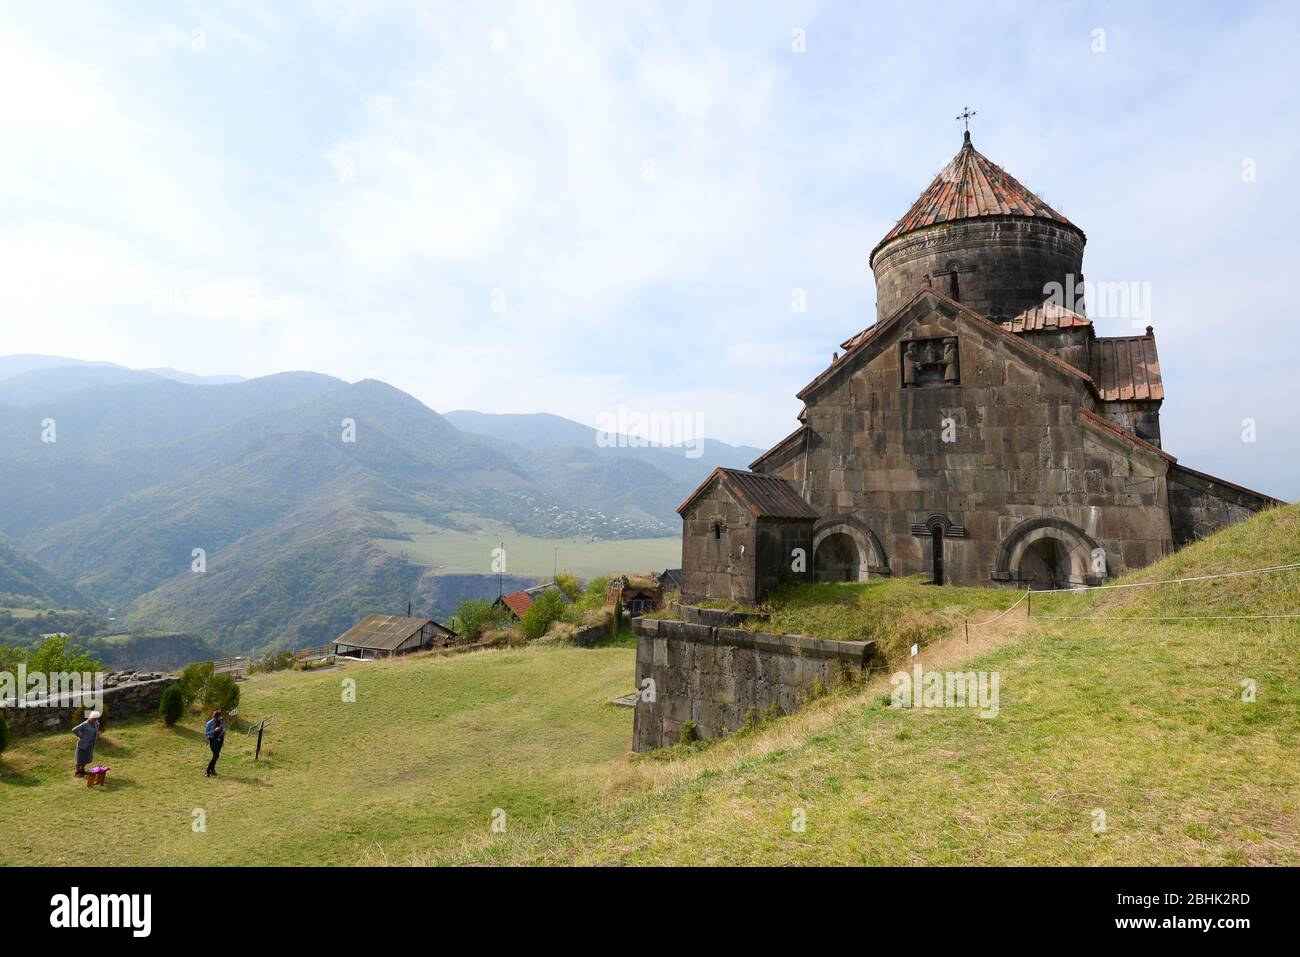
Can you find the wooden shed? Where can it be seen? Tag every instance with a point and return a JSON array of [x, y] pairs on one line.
[[382, 636]]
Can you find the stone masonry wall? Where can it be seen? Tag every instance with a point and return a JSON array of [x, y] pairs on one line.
[[876, 453], [716, 676], [1002, 263], [122, 701], [1200, 506], [719, 565]]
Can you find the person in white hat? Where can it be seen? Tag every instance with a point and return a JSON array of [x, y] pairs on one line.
[[87, 732]]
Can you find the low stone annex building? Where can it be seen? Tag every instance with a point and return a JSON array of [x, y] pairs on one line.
[[980, 432]]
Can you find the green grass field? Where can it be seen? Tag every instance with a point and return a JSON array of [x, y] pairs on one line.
[[1138, 728], [428, 750], [33, 612], [1120, 741], [470, 553]]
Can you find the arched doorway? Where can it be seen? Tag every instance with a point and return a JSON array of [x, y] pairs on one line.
[[1049, 553], [836, 559], [854, 555], [1045, 564]]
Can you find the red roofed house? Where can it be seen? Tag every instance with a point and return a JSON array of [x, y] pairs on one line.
[[520, 601]]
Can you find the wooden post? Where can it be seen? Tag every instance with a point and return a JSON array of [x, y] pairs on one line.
[[1029, 602], [967, 631]]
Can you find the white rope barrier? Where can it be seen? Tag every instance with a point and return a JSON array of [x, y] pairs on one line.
[[1004, 614], [1155, 617], [1173, 581]]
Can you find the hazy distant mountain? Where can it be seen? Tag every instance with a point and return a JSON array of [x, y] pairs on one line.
[[540, 430], [293, 486], [28, 379], [21, 576]]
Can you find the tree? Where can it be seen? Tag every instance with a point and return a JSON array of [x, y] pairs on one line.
[[595, 594], [476, 615], [194, 681], [570, 585], [54, 655], [221, 693], [171, 706], [547, 609]]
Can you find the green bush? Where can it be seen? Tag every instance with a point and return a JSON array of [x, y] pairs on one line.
[[273, 661], [474, 616], [570, 585], [594, 595], [172, 705], [221, 693], [194, 682], [54, 654], [547, 609], [4, 734], [616, 621]]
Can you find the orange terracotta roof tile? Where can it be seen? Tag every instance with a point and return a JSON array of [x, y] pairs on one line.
[[1045, 315], [969, 187], [1126, 368], [518, 602]]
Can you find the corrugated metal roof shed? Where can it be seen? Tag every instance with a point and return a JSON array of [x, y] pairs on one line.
[[385, 632]]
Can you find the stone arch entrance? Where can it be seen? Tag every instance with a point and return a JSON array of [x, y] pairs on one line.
[[844, 549], [836, 559], [1046, 553]]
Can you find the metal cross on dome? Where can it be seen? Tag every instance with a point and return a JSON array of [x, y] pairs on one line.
[[965, 115]]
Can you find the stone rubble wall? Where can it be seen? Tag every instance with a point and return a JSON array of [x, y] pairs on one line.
[[716, 676], [122, 699]]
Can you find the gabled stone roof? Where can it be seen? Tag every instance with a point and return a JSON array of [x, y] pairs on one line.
[[969, 187], [766, 496], [871, 333]]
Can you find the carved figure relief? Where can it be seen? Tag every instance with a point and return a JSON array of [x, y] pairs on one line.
[[930, 362]]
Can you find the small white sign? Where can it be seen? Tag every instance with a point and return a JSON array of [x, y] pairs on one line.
[[915, 648]]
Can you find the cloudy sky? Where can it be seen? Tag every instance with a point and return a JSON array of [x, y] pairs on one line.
[[565, 207]]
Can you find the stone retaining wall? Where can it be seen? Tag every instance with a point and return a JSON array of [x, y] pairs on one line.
[[120, 701], [715, 677], [697, 615]]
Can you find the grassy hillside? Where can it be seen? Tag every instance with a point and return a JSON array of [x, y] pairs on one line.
[[21, 577], [430, 748], [1142, 722]]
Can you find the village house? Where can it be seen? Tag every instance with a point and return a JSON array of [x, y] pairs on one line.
[[518, 602], [382, 636], [979, 432]]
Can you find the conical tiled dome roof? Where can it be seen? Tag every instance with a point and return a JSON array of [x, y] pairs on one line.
[[970, 187]]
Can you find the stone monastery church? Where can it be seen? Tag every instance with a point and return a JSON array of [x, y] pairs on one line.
[[978, 433]]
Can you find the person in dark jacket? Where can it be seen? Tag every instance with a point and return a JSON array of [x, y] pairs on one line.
[[87, 734], [215, 732]]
